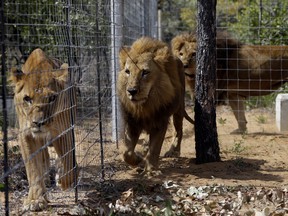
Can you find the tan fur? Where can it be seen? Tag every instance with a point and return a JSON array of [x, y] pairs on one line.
[[150, 88], [242, 70], [42, 100]]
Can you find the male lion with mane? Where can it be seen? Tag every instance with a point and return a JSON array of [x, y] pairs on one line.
[[151, 88], [242, 70], [45, 112]]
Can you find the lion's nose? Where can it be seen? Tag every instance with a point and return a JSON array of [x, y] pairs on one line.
[[37, 123], [185, 65], [132, 91]]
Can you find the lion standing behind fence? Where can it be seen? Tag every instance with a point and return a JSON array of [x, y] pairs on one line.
[[242, 70], [45, 107]]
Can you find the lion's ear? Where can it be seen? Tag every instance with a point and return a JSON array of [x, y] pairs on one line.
[[35, 58], [15, 75], [176, 45], [162, 54], [62, 74], [123, 54]]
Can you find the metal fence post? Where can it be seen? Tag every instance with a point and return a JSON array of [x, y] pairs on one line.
[[117, 16], [159, 22], [71, 80]]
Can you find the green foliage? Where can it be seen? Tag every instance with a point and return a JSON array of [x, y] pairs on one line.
[[266, 101], [227, 11], [37, 25], [2, 186], [222, 121], [238, 147], [177, 16], [264, 23], [188, 15], [245, 18], [47, 24], [261, 119]]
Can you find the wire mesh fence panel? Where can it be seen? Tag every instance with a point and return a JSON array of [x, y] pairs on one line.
[[251, 55], [256, 68], [64, 145]]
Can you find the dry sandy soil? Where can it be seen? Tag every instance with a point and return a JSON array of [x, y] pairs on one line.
[[251, 179]]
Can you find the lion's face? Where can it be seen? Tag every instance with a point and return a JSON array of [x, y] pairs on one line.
[[145, 80], [38, 95], [38, 103], [187, 54], [184, 47], [139, 77]]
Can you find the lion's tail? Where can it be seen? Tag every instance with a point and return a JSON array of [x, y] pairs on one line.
[[188, 118]]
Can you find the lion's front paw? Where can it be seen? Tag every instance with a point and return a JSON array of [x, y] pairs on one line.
[[132, 158], [35, 205], [172, 152]]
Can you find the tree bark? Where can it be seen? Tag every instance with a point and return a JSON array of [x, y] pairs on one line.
[[206, 137]]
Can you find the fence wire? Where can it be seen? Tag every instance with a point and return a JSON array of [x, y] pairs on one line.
[[87, 35]]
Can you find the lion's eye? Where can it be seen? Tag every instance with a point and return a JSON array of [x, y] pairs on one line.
[[145, 73], [27, 99], [127, 72], [52, 98], [181, 54], [193, 54]]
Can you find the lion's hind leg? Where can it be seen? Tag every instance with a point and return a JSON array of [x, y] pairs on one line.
[[237, 104], [175, 148]]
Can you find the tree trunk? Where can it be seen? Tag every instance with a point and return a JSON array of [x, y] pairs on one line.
[[206, 137]]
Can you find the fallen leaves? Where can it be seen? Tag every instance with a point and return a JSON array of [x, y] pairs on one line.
[[203, 200]]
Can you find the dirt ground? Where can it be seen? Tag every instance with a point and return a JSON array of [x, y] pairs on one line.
[[251, 179], [257, 158]]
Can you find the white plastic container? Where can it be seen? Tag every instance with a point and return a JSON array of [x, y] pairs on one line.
[[282, 112]]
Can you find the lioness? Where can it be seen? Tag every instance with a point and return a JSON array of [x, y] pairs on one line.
[[242, 70], [45, 106], [151, 88]]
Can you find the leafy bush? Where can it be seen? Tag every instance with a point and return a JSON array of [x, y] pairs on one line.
[[262, 22]]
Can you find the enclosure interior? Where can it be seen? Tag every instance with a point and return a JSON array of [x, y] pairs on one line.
[[87, 35]]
